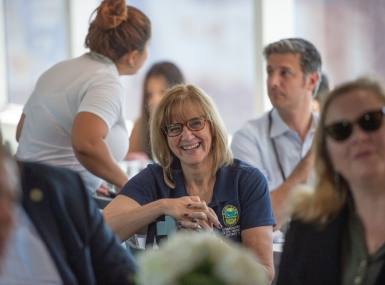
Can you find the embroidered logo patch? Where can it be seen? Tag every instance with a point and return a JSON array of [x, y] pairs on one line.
[[230, 215]]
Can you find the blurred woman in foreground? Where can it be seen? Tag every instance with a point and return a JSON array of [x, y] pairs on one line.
[[338, 231]]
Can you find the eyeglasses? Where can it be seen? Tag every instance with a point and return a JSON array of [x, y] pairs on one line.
[[368, 122], [195, 124]]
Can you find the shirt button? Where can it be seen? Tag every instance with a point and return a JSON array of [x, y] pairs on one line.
[[363, 263], [357, 280]]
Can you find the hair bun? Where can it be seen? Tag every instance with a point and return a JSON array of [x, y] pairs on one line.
[[110, 14]]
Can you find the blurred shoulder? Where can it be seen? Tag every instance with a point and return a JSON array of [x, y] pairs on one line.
[[254, 128], [45, 170], [256, 123], [50, 178]]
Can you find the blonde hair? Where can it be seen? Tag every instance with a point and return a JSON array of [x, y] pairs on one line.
[[172, 106], [117, 29], [323, 203]]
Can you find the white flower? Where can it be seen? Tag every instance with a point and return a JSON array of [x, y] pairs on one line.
[[183, 253]]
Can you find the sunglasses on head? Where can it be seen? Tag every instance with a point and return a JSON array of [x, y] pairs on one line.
[[368, 122]]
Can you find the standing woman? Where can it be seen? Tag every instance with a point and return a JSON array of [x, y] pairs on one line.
[[338, 231], [75, 116], [159, 78]]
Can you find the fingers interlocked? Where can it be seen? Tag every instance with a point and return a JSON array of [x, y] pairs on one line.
[[195, 220]]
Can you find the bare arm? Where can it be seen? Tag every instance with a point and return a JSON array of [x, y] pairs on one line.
[[126, 217], [260, 240], [279, 197], [19, 127], [90, 148]]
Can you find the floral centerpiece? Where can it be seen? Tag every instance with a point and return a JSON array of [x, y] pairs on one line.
[[199, 258]]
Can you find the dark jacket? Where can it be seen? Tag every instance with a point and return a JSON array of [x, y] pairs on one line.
[[314, 256], [85, 251]]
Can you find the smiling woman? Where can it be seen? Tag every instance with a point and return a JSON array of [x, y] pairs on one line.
[[197, 182]]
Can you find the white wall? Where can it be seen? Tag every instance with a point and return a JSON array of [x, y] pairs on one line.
[[274, 20], [79, 15]]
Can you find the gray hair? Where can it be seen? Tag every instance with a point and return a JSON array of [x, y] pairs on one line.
[[310, 58]]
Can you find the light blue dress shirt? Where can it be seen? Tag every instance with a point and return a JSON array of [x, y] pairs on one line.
[[253, 145], [27, 259]]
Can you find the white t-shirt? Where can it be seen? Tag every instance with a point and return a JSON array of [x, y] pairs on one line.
[[89, 83]]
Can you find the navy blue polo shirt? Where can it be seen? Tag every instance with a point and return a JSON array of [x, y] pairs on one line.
[[241, 197]]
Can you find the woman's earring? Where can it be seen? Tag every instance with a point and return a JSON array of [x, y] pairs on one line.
[[337, 192]]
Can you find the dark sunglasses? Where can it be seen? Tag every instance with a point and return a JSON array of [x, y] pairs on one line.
[[195, 124], [368, 122]]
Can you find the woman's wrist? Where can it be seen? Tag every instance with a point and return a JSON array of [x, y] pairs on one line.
[[163, 207]]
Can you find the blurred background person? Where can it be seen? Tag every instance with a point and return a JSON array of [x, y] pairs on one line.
[[58, 234], [75, 116], [159, 78], [323, 90], [9, 196], [337, 235], [197, 182]]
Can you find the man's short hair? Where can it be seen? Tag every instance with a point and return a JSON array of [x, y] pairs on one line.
[[310, 58], [323, 88]]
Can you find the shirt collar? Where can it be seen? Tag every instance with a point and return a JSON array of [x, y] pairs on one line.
[[223, 188], [279, 127], [177, 175], [104, 59]]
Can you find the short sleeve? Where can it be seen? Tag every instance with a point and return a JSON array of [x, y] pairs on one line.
[[255, 201], [104, 98], [246, 148], [142, 187]]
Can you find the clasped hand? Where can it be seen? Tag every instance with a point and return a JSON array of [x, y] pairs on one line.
[[191, 213]]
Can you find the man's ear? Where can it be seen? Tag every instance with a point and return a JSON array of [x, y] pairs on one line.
[[312, 80]]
